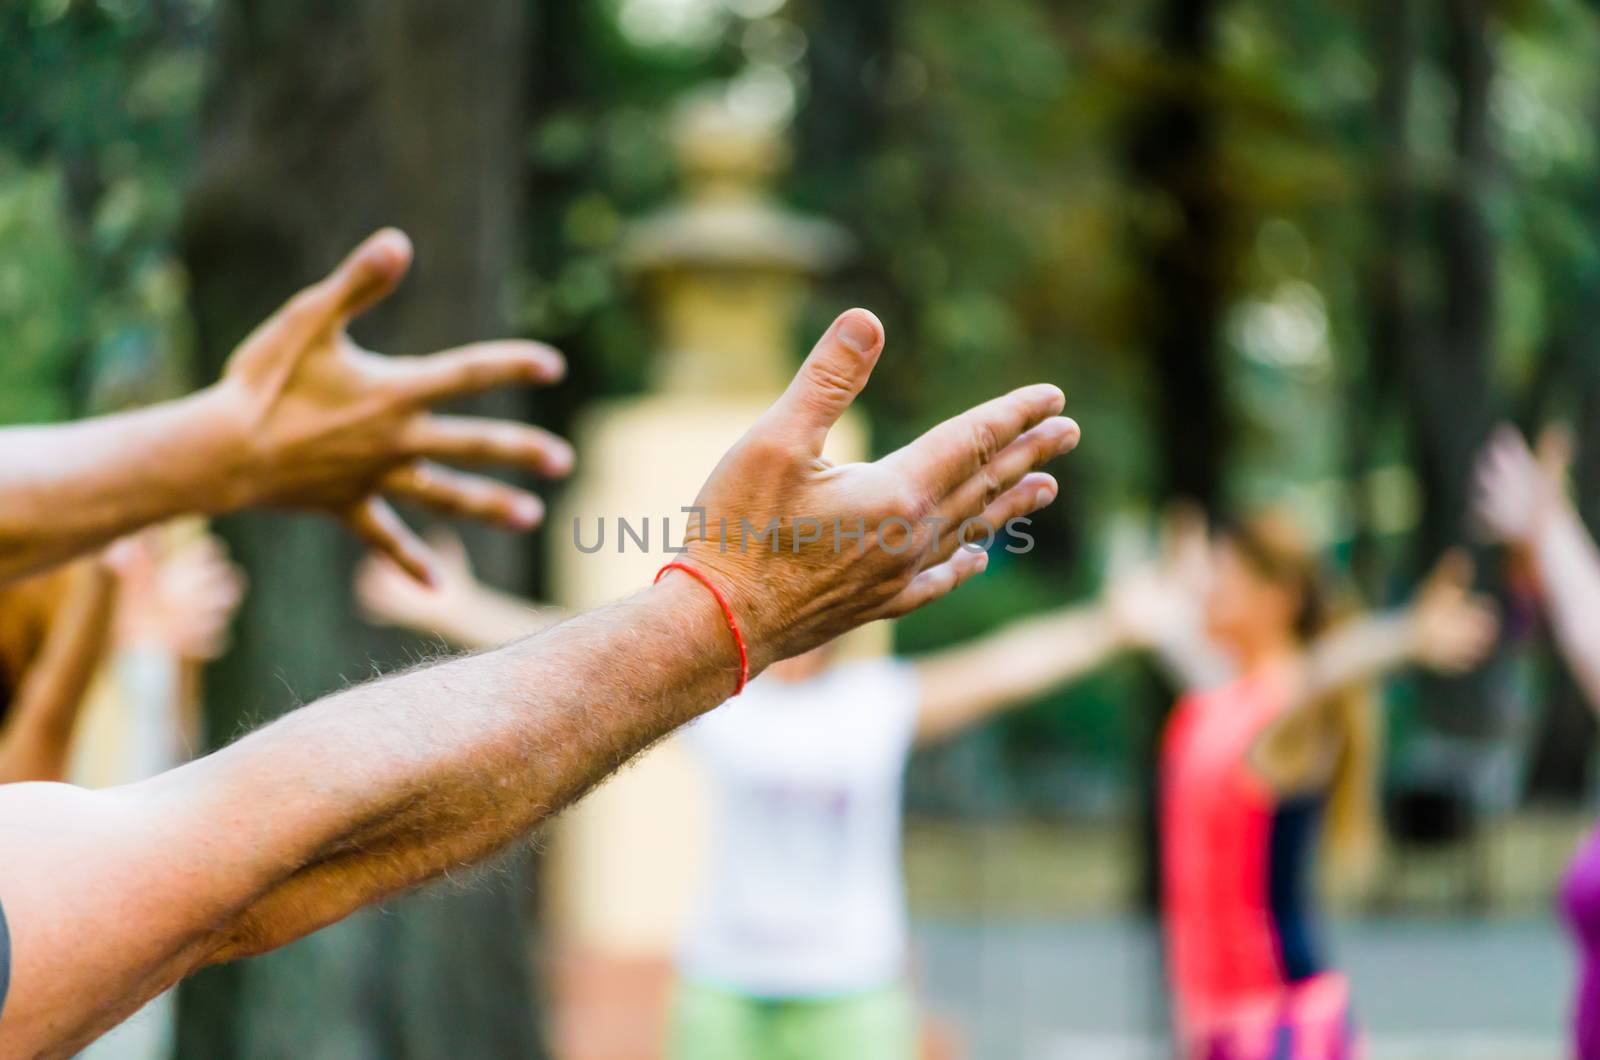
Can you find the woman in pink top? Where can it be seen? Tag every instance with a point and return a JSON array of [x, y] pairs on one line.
[[1278, 730]]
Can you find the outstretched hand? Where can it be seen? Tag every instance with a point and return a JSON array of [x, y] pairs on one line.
[[1155, 601], [330, 426], [388, 596], [181, 595], [1454, 627], [807, 550], [1518, 488]]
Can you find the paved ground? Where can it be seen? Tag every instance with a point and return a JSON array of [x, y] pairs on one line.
[[1435, 989]]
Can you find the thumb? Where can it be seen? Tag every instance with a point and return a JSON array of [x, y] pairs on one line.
[[1454, 571], [365, 277], [1553, 451], [831, 377]]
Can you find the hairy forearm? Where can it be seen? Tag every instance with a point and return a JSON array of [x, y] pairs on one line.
[[37, 734], [67, 488], [400, 781], [346, 801], [1569, 572], [964, 685]]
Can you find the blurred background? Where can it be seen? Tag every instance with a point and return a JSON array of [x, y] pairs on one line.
[[1292, 251]]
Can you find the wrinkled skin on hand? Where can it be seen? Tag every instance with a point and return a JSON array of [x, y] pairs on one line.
[[806, 584]]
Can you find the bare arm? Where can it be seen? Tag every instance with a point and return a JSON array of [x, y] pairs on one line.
[[114, 895], [493, 618], [1522, 501], [37, 734], [457, 607], [1569, 573], [1445, 628], [302, 418], [963, 685], [1157, 603], [70, 488]]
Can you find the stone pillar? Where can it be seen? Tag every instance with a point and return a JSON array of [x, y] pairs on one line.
[[725, 271]]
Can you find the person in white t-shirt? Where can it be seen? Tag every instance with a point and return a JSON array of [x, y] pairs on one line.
[[797, 949]]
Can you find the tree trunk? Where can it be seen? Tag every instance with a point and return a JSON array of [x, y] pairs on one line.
[[1186, 252], [1391, 292], [1567, 389], [323, 123], [1187, 258], [1449, 372]]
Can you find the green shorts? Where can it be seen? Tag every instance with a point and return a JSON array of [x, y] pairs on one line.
[[709, 1023]]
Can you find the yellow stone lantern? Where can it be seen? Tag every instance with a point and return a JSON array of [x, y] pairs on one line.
[[725, 271]]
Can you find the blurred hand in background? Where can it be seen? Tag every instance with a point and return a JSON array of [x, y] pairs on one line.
[[178, 594]]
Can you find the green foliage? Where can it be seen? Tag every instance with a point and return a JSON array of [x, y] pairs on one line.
[[97, 107]]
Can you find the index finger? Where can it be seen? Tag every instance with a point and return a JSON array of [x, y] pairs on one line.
[[957, 449]]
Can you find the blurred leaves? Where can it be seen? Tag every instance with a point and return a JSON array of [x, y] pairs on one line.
[[97, 106]]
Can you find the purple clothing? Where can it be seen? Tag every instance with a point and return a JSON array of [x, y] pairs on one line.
[[1580, 901]]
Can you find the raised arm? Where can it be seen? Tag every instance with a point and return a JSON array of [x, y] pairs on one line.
[[457, 607], [1522, 501], [37, 734], [302, 418], [965, 684], [1157, 604], [177, 593], [1444, 628], [111, 896]]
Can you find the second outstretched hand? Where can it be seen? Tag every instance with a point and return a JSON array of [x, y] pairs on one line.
[[1453, 628], [1518, 490], [1522, 501], [334, 427], [180, 595], [457, 608], [852, 543], [303, 418]]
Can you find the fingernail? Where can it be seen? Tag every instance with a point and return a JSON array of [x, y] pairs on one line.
[[857, 332], [1044, 496], [525, 512], [560, 459]]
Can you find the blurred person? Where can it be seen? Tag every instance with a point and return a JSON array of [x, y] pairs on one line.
[[1276, 732], [1522, 500], [54, 630], [797, 948], [113, 895]]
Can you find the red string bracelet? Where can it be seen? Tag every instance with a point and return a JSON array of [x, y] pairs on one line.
[[727, 613]]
